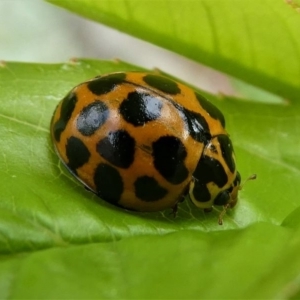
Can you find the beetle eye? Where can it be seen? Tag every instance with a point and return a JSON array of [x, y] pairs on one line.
[[223, 197]]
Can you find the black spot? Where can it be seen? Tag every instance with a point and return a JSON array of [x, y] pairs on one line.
[[201, 192], [148, 189], [104, 84], [92, 117], [109, 183], [162, 83], [213, 111], [224, 196], [210, 170], [169, 154], [67, 107], [140, 108], [77, 153], [195, 124], [227, 151], [118, 148]]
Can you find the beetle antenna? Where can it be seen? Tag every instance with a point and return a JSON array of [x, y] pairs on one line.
[[251, 177]]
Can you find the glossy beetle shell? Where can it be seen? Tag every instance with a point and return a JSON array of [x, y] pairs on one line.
[[143, 141]]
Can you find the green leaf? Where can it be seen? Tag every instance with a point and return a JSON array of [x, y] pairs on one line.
[[252, 40], [59, 241], [182, 265]]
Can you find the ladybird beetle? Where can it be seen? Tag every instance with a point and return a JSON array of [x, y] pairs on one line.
[[143, 142]]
